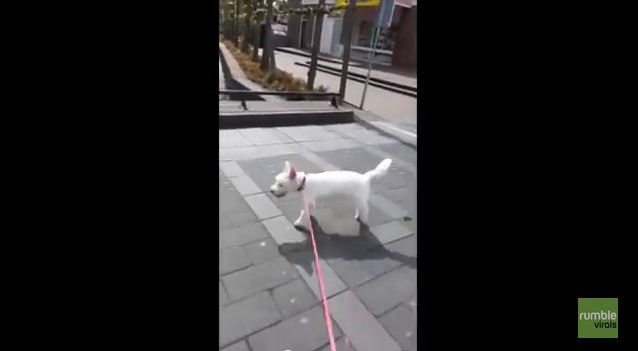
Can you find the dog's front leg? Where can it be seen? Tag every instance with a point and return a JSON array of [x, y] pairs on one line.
[[300, 221], [303, 219]]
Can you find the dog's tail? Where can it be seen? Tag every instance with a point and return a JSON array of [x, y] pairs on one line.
[[381, 169]]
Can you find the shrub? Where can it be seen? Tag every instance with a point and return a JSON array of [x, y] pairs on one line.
[[276, 80]]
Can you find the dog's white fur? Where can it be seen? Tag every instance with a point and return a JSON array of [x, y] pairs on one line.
[[318, 186]]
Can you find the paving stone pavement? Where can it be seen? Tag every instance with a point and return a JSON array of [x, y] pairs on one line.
[[269, 298]]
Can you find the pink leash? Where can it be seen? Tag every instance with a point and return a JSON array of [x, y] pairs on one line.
[[326, 309]]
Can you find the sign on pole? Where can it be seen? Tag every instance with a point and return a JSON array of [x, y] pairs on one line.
[[316, 2], [386, 12], [359, 2]]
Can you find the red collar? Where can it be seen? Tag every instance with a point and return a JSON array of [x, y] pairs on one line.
[[303, 183]]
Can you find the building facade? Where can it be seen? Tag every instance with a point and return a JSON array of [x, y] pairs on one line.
[[396, 44]]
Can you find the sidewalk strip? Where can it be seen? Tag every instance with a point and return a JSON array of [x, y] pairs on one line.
[[359, 325]]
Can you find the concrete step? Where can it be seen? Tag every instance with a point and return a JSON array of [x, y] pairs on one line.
[[286, 113]]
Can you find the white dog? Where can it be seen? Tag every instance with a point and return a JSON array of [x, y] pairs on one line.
[[319, 186]]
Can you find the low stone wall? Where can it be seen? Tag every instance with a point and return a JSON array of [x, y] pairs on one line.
[[236, 79]]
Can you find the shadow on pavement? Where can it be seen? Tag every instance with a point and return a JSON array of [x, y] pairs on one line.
[[364, 246]]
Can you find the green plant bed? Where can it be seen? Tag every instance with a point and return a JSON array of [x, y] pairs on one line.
[[276, 80]]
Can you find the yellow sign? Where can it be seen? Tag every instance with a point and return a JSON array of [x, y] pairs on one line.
[[359, 2]]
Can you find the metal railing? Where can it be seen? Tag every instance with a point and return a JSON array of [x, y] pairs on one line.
[[243, 94]]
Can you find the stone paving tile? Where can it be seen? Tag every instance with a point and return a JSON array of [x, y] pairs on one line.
[[364, 135], [234, 212], [401, 151], [247, 153], [320, 162], [264, 136], [356, 268], [303, 332], [340, 344], [231, 169], [364, 331], [245, 186], [262, 206], [406, 246], [405, 198], [387, 291], [240, 346], [308, 133], [262, 251], [233, 259], [242, 235], [284, 234], [303, 261], [294, 297], [401, 324], [390, 209], [402, 155], [331, 145], [229, 138], [223, 296], [390, 231], [259, 277], [246, 317]]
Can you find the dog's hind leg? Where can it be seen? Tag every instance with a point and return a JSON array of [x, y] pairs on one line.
[[362, 210]]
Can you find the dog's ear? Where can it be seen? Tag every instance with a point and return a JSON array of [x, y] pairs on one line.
[[286, 166], [293, 173]]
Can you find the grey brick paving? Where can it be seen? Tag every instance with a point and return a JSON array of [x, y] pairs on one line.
[[246, 317], [406, 246], [387, 291], [245, 186], [233, 259], [262, 206], [252, 152], [304, 263], [365, 332], [231, 139], [340, 344], [284, 234], [240, 346], [389, 232], [223, 296], [264, 136], [358, 266], [401, 324], [259, 277], [399, 150], [262, 251], [336, 144], [234, 212], [303, 332], [294, 297], [231, 169], [242, 235], [308, 133], [364, 135]]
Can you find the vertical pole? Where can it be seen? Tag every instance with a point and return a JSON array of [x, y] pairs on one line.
[[373, 49], [236, 25], [316, 42], [266, 63], [347, 38], [300, 30]]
